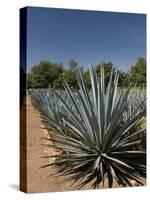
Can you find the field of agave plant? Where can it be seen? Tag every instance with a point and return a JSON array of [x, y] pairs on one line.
[[100, 134]]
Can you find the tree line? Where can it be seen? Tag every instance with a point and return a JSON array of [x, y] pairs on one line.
[[47, 74]]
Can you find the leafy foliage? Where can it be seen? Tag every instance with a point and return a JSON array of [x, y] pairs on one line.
[[72, 65], [138, 71], [122, 80], [95, 131], [44, 74], [51, 75]]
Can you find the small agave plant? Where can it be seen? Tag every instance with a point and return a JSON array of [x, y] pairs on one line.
[[95, 132]]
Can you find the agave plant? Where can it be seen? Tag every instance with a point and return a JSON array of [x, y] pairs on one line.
[[95, 132]]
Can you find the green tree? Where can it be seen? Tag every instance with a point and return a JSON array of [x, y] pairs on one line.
[[138, 71], [44, 74], [58, 83], [123, 79], [72, 65], [68, 75], [30, 80], [107, 70], [70, 78], [87, 80]]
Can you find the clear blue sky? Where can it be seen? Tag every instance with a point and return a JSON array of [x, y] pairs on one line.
[[59, 35]]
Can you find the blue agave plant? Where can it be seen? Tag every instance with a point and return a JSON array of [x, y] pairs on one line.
[[95, 131]]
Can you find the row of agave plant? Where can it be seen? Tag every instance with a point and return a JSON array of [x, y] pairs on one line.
[[97, 132]]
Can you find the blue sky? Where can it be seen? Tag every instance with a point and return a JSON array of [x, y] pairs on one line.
[[59, 35]]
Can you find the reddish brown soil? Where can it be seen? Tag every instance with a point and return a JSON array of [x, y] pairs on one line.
[[37, 179]]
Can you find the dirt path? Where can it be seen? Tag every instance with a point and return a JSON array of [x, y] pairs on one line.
[[37, 179]]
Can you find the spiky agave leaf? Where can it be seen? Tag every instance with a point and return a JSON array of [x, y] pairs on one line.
[[97, 142]]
